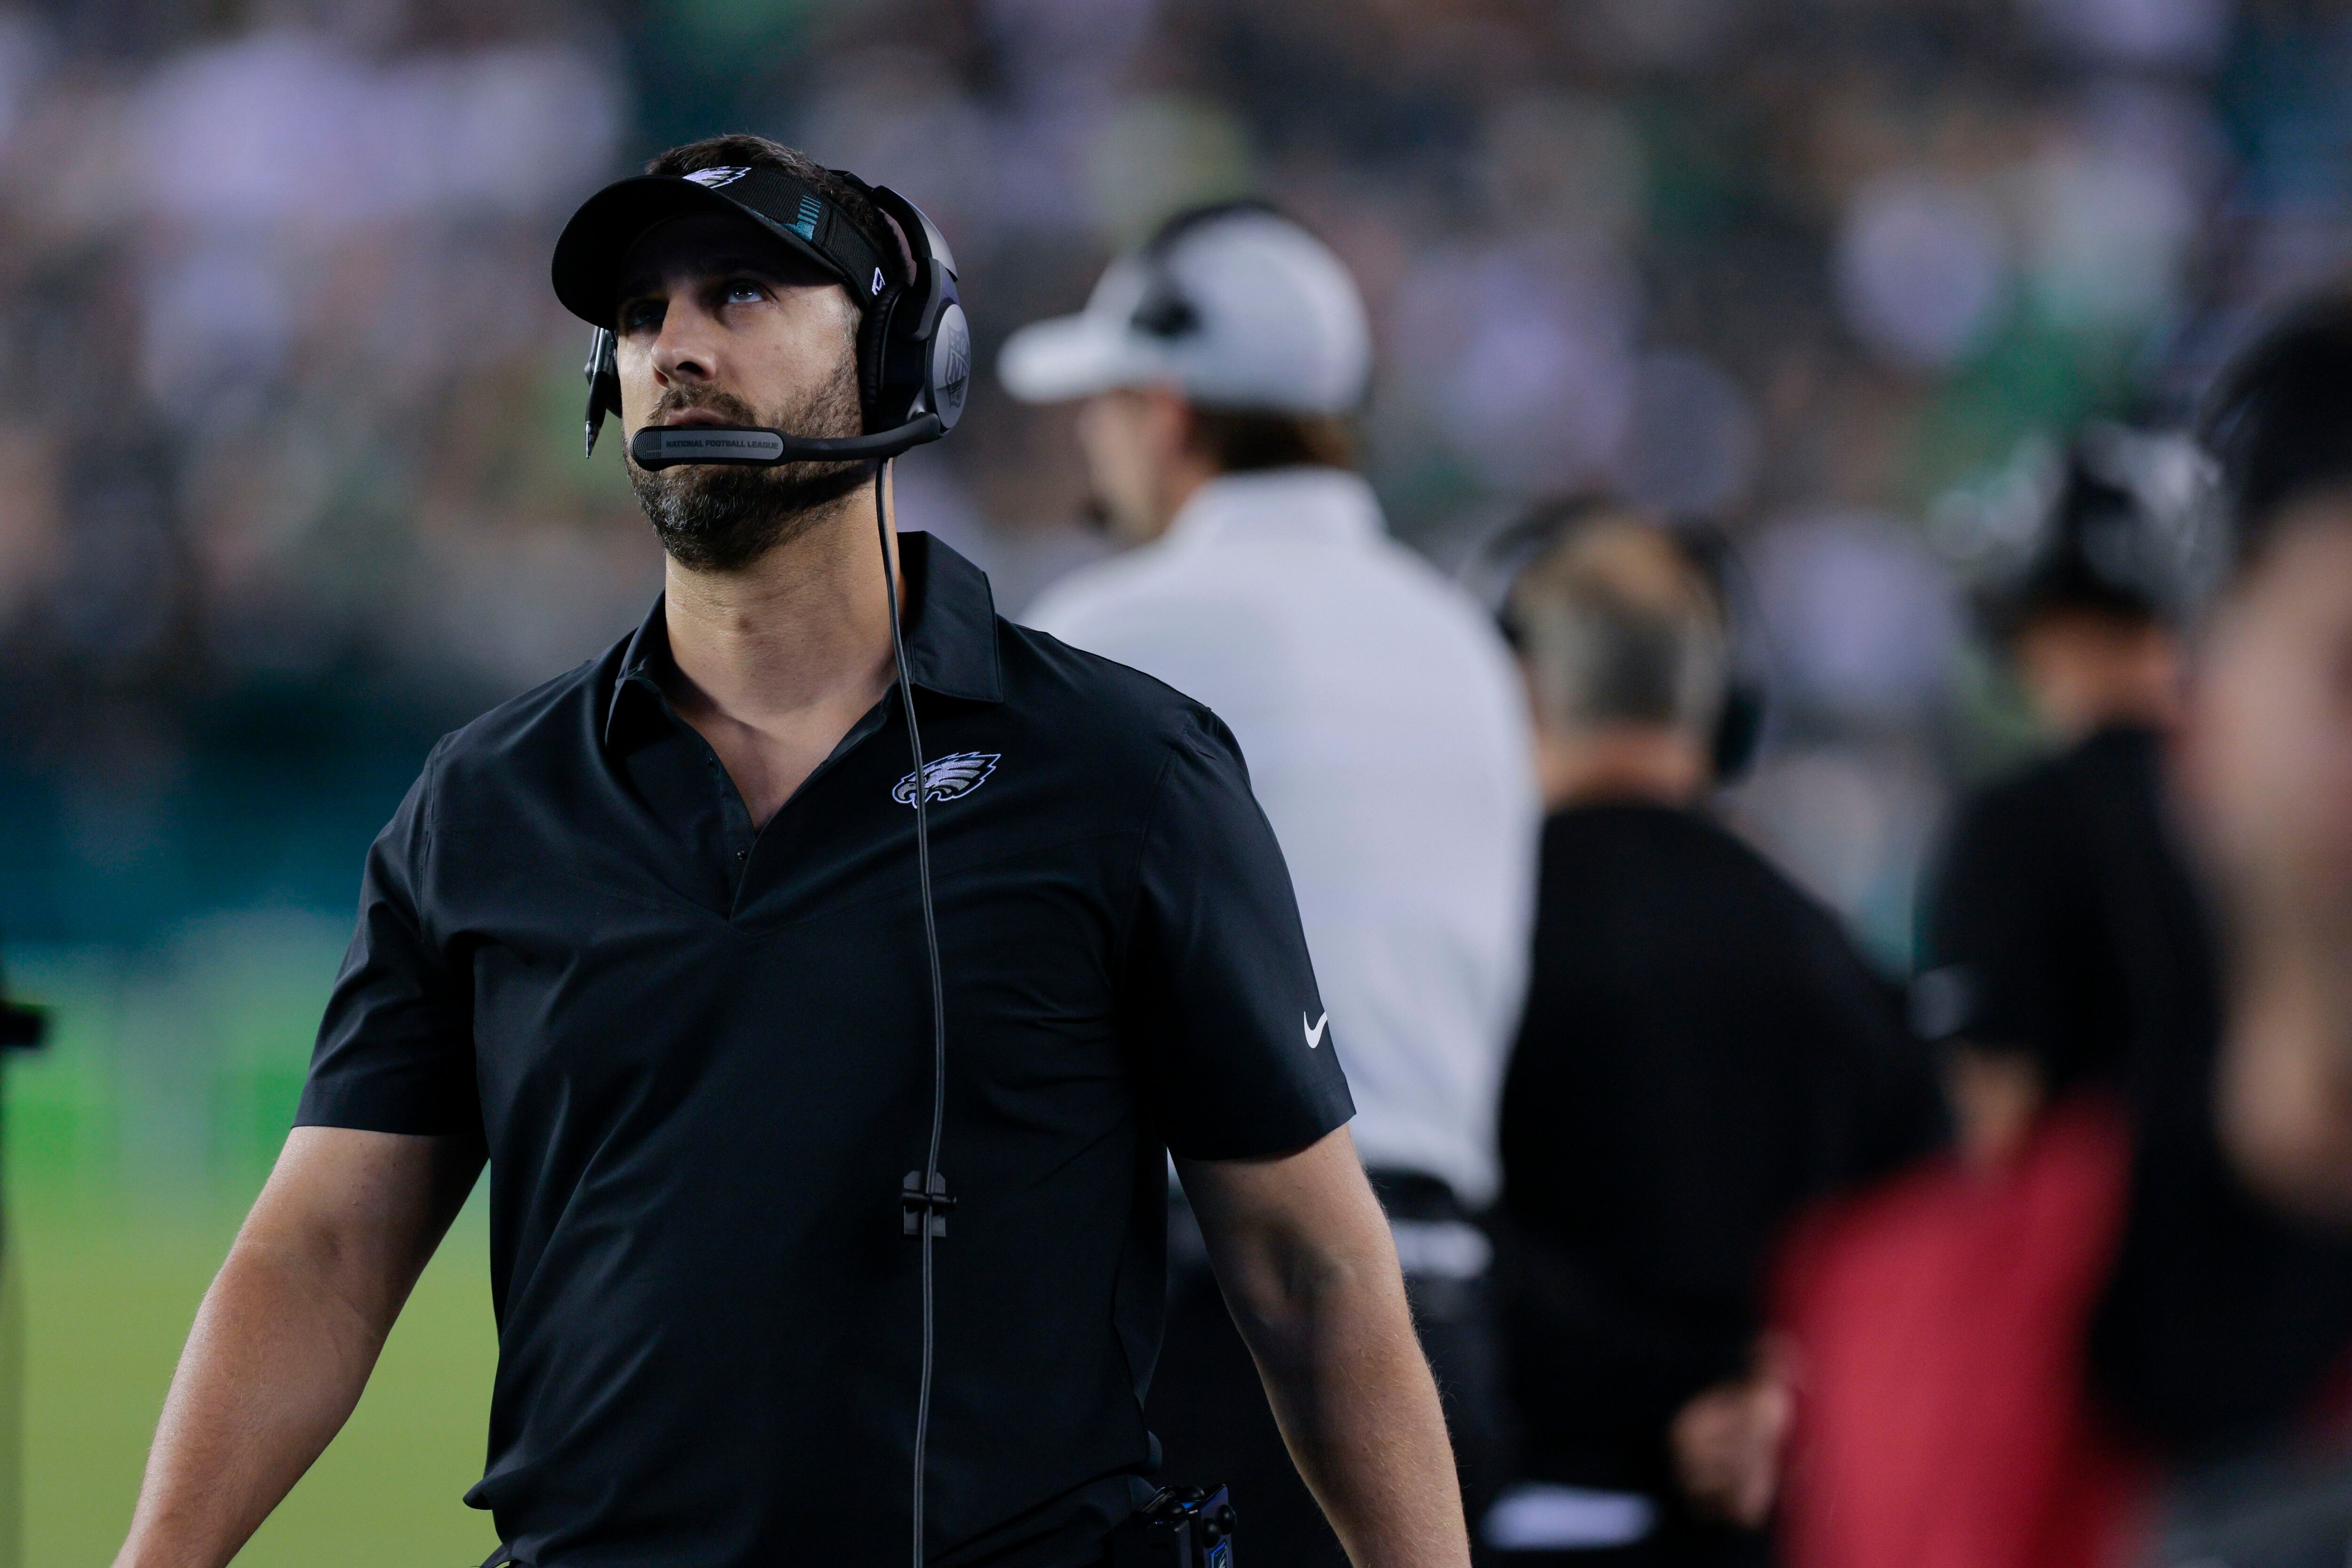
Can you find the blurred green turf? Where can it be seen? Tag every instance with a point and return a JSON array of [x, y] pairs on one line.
[[107, 1308], [134, 1144]]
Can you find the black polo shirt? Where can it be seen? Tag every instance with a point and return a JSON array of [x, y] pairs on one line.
[[2062, 921], [701, 1060], [1702, 1053]]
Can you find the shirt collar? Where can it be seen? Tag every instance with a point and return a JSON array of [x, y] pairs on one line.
[[949, 628], [1304, 505]]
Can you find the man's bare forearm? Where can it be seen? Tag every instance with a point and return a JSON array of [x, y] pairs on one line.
[[271, 1370], [287, 1336], [1316, 1294], [1360, 1413]]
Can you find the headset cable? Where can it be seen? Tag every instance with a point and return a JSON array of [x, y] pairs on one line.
[[925, 1205]]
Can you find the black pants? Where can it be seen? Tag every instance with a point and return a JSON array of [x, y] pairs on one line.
[[1209, 1409]]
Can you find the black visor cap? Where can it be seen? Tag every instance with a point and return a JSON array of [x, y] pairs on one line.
[[588, 256]]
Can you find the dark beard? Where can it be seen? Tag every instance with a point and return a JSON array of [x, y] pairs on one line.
[[714, 518]]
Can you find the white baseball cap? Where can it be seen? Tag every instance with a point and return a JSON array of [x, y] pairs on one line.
[[1236, 306]]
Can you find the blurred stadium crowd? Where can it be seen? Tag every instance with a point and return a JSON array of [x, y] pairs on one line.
[[297, 432], [292, 482]]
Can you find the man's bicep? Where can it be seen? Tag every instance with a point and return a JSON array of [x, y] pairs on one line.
[[1270, 1221], [370, 1205], [1290, 1186]]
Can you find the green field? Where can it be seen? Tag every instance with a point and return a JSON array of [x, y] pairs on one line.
[[132, 1145]]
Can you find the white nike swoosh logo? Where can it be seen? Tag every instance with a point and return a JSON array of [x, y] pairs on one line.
[[1314, 1031]]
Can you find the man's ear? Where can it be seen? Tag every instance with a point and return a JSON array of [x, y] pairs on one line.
[[1175, 429]]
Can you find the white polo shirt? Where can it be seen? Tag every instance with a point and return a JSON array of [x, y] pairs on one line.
[[1386, 740]]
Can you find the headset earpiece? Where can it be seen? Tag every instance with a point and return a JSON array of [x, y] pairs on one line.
[[926, 351], [1738, 729], [1739, 726]]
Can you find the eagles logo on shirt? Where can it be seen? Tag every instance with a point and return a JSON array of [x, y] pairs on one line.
[[950, 777]]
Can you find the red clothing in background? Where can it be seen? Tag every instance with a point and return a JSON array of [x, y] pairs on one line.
[[1939, 1324]]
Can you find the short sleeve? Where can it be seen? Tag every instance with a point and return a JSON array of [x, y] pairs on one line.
[[2010, 930], [394, 1052], [1238, 1058]]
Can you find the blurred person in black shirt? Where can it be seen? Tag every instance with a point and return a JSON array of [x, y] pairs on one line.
[[2060, 881], [2069, 952], [1703, 1051]]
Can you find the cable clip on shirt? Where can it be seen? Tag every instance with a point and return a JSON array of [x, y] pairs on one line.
[[913, 1202]]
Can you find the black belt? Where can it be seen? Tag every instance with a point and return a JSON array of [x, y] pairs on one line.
[[1416, 1194]]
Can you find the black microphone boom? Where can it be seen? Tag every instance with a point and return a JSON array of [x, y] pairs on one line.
[[670, 446]]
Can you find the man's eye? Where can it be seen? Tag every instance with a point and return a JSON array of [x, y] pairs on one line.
[[744, 293], [644, 314]]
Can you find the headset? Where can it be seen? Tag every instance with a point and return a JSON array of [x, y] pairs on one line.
[[1739, 727], [914, 372], [914, 350], [1493, 568], [2122, 520]]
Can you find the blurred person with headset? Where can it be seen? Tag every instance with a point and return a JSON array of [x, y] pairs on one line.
[[2093, 1313], [2068, 948], [2028, 971], [1703, 1052], [683, 944], [1386, 741]]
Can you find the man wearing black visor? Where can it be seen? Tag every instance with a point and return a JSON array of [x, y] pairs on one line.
[[663, 940]]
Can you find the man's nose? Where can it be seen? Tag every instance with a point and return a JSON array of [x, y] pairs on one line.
[[684, 350]]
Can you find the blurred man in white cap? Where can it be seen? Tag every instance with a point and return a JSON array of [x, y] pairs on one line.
[[1386, 739]]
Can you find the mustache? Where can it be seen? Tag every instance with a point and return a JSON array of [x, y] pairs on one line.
[[726, 405]]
